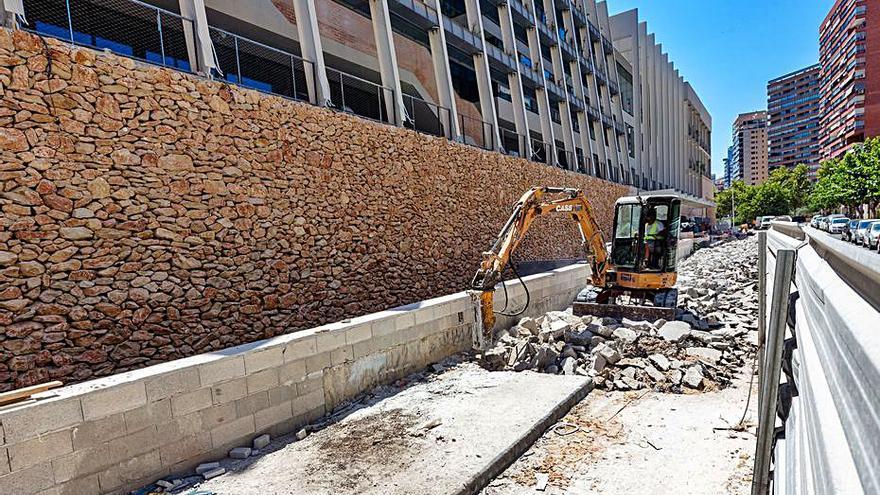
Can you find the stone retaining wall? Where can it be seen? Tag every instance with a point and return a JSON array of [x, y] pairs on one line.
[[149, 215], [118, 433]]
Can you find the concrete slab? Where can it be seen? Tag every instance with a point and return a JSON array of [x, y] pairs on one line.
[[449, 434]]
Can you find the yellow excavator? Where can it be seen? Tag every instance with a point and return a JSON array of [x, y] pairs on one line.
[[635, 279]]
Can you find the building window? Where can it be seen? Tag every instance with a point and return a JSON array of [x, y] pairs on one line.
[[630, 141], [626, 88]]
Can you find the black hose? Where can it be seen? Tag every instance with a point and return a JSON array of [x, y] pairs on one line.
[[512, 265]]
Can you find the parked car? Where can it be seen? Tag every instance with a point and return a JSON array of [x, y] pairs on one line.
[[873, 235], [782, 218], [822, 223], [814, 222], [763, 223], [837, 225], [849, 231], [863, 228]]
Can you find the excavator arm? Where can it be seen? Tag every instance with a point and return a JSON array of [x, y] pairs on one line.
[[533, 204]]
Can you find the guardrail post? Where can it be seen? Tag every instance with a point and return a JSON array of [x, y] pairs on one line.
[[776, 326], [310, 47], [762, 307], [387, 56]]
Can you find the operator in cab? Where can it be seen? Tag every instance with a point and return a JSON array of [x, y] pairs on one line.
[[655, 232]]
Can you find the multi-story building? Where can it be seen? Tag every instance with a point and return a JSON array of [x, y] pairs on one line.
[[750, 148], [549, 80], [793, 109], [730, 173], [672, 127], [849, 53]]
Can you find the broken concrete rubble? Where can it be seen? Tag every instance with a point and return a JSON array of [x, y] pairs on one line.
[[701, 349]]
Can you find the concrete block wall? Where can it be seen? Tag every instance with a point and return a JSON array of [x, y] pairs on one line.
[[118, 433]]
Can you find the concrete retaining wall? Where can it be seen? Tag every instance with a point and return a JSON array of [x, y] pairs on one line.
[[117, 433]]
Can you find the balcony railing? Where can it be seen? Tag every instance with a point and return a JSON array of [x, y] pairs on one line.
[[150, 34], [512, 143], [427, 117], [477, 132]]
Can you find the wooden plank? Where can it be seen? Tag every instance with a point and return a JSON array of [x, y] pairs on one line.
[[24, 393]]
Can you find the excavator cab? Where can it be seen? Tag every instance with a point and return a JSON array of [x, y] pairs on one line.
[[646, 232]]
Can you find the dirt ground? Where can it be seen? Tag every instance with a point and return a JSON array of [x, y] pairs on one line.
[[643, 442]]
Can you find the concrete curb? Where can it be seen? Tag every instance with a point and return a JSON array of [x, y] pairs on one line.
[[503, 460]]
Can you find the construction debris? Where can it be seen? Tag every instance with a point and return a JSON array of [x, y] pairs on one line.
[[261, 441], [240, 453], [702, 349]]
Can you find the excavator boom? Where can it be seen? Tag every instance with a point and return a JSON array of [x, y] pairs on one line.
[[533, 204]]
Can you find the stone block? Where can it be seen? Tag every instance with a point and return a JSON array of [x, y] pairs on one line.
[[307, 402], [300, 348], [283, 393], [182, 405], [181, 426], [221, 370], [185, 448], [28, 481], [154, 413], [262, 359], [341, 355], [292, 372], [262, 380], [217, 415], [36, 419], [130, 471], [271, 416], [175, 383], [317, 362], [232, 432], [240, 453], [252, 403], [114, 400], [39, 450], [330, 340], [91, 434], [262, 441], [358, 333], [230, 391]]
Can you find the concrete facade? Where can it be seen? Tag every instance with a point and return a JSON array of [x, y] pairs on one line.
[[671, 124], [793, 108], [849, 53], [750, 152]]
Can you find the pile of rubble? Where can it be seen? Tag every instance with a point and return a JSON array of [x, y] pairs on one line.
[[710, 340]]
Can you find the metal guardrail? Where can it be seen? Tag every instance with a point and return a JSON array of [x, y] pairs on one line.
[[477, 132], [513, 143], [820, 382], [351, 94]]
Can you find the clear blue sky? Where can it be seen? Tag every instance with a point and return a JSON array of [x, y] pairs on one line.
[[729, 49]]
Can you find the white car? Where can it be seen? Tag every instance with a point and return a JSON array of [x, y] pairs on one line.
[[872, 235], [837, 225], [862, 230]]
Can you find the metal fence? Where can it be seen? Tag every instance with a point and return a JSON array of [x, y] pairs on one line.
[[257, 66], [541, 151], [819, 363], [565, 159], [514, 144], [427, 117], [477, 132], [150, 34], [351, 94]]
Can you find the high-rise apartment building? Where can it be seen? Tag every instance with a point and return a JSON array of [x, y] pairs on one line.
[[750, 147], [849, 53], [555, 81], [793, 109], [730, 173]]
